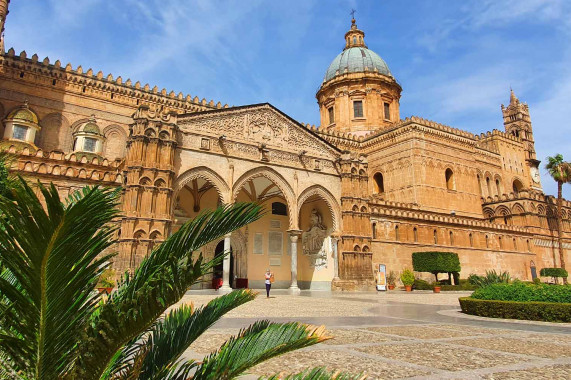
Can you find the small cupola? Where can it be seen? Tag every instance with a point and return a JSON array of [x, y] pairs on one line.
[[22, 125], [88, 138], [354, 37]]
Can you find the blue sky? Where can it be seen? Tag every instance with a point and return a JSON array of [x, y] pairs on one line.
[[455, 60]]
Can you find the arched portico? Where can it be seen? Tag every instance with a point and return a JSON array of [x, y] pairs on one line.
[[267, 238], [319, 217]]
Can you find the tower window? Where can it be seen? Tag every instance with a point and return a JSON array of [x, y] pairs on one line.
[[331, 113], [415, 234], [451, 238], [354, 40], [89, 144], [387, 111], [498, 187], [19, 132], [380, 186], [435, 237], [449, 174], [487, 242], [397, 235], [358, 108], [471, 240]]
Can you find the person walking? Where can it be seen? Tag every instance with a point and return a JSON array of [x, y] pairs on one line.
[[269, 279]]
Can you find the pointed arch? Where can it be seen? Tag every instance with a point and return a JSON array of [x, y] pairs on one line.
[[205, 173], [329, 199], [272, 175]]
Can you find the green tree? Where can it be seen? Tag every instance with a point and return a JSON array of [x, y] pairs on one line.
[[54, 326], [6, 179], [560, 171], [436, 262]]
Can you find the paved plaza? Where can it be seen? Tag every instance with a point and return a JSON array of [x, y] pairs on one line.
[[398, 335]]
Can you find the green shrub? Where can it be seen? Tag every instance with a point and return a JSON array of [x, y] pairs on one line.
[[422, 285], [537, 281], [522, 292], [407, 277], [435, 262], [535, 311], [491, 277]]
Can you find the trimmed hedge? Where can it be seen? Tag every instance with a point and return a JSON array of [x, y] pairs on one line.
[[553, 272], [435, 262], [524, 292], [425, 285], [535, 311]]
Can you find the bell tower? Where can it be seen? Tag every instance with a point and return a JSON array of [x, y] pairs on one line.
[[517, 122]]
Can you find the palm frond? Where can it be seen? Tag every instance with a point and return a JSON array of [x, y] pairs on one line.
[[317, 374], [256, 344], [159, 282], [51, 255], [167, 340]]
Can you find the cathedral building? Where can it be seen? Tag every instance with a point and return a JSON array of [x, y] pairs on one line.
[[364, 188]]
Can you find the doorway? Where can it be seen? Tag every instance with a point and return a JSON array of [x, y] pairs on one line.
[[218, 269]]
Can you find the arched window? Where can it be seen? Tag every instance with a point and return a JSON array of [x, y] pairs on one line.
[[517, 186], [449, 174], [487, 242], [479, 185], [471, 237], [379, 183], [415, 234], [498, 191], [397, 235], [528, 245], [501, 242], [354, 40], [356, 249], [451, 238], [489, 186], [279, 208], [374, 227], [435, 237]]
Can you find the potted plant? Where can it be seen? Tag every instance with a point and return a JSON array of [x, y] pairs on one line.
[[407, 278], [391, 280], [436, 287], [106, 281]]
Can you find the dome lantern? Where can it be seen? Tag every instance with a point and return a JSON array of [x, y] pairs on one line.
[[354, 37]]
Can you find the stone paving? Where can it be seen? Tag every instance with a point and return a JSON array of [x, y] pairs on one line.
[[400, 336]]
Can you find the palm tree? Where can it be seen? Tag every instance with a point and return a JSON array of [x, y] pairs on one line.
[[561, 173], [54, 326]]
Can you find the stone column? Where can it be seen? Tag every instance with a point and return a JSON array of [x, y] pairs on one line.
[[334, 240], [226, 265], [293, 237]]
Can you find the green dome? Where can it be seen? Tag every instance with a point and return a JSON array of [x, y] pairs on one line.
[[91, 128], [24, 114], [356, 60]]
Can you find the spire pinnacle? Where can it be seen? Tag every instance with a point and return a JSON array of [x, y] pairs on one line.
[[513, 98]]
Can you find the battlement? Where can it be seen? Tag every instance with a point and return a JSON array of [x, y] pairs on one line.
[[100, 86], [68, 166], [527, 194], [412, 211]]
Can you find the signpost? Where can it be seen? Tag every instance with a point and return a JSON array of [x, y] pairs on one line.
[[382, 277]]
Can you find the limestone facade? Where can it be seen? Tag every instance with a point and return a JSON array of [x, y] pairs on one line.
[[340, 199]]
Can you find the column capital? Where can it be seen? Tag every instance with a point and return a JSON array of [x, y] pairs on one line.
[[294, 232], [228, 235]]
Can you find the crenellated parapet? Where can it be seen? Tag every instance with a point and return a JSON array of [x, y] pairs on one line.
[[75, 167], [399, 210], [97, 85]]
